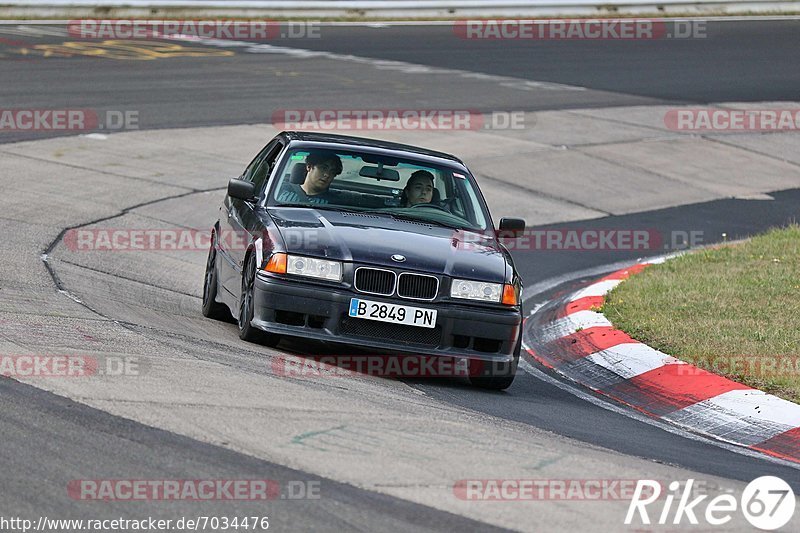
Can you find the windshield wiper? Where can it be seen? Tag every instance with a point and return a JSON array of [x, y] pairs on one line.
[[424, 221], [326, 207], [396, 216], [289, 205]]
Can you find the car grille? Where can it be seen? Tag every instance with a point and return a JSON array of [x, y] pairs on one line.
[[357, 327], [417, 286], [375, 281], [384, 283]]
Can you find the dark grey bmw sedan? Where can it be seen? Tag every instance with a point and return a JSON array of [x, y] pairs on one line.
[[369, 243]]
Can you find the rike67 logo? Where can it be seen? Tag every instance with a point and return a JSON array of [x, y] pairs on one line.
[[767, 503]]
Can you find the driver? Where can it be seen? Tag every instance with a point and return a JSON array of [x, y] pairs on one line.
[[321, 168], [419, 189]]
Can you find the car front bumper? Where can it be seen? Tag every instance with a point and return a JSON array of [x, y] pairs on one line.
[[295, 308]]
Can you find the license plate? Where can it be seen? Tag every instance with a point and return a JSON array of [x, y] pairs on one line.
[[394, 313]]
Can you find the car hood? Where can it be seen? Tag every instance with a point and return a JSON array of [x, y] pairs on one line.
[[373, 239]]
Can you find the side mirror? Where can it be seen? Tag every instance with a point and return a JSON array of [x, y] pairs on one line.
[[511, 228], [241, 189]]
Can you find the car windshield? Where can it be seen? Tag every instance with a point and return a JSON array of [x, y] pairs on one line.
[[379, 184]]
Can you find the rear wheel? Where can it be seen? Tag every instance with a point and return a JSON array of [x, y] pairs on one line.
[[495, 376], [211, 307], [246, 308]]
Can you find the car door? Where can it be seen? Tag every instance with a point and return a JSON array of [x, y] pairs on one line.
[[241, 220]]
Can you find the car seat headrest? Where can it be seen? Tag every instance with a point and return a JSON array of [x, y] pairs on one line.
[[298, 174]]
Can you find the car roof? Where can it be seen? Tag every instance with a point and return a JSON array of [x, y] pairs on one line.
[[346, 140]]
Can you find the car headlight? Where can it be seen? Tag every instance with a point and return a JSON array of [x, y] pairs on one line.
[[487, 292], [314, 268], [476, 290]]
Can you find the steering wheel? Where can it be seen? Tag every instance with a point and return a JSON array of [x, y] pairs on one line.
[[430, 205]]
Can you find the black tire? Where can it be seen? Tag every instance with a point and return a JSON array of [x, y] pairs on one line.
[[246, 331], [495, 376], [211, 307]]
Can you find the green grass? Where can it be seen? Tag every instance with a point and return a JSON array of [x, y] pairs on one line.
[[733, 310]]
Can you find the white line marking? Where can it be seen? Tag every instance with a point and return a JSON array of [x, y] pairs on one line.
[[571, 323], [550, 283], [371, 22], [558, 327], [736, 416], [630, 413], [632, 359], [34, 31], [596, 289], [758, 404]]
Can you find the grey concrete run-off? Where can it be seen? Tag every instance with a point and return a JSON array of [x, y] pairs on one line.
[[198, 380]]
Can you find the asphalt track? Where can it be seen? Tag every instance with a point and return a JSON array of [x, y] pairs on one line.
[[743, 61], [64, 438], [738, 61]]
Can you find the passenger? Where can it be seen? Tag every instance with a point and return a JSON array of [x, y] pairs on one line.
[[419, 189], [321, 168]]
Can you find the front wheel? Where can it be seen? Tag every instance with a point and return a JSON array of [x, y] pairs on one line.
[[246, 305]]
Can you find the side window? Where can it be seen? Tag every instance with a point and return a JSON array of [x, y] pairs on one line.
[[248, 172], [261, 173]]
